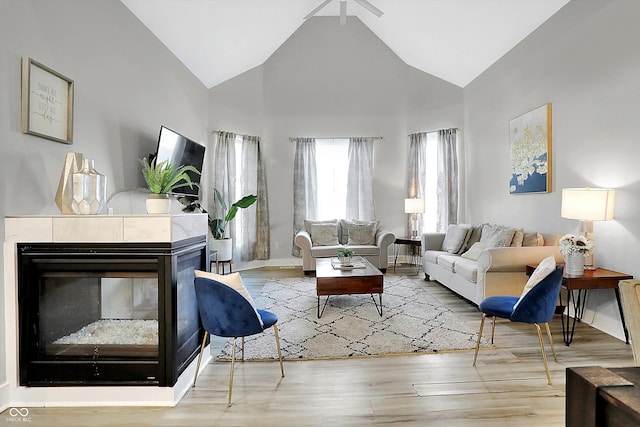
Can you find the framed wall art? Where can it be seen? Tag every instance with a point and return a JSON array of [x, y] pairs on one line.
[[530, 151], [47, 102]]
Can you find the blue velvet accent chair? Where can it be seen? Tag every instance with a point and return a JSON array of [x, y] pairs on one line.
[[225, 312], [536, 307]]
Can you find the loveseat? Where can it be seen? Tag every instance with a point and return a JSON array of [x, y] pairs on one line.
[[478, 261], [322, 239]]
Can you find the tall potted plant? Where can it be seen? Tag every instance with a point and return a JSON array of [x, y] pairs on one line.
[[218, 226], [162, 179]]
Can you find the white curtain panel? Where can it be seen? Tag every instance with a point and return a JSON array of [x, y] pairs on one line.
[[360, 203], [254, 221], [251, 224], [304, 186], [416, 171], [447, 179]]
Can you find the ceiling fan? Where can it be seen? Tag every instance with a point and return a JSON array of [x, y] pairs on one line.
[[343, 9]]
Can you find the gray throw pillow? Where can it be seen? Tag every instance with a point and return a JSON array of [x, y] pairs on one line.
[[497, 236], [324, 234], [362, 234], [455, 238]]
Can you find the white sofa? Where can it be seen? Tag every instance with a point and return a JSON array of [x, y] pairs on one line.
[[496, 271], [376, 252]]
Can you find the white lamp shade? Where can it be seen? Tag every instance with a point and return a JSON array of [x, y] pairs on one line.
[[413, 205], [592, 204]]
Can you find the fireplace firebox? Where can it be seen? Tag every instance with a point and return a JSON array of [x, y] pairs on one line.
[[108, 313]]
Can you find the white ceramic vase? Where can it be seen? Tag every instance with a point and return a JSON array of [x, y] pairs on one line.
[[574, 265], [158, 204], [89, 190]]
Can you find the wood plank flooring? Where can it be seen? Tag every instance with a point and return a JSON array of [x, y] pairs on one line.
[[508, 387]]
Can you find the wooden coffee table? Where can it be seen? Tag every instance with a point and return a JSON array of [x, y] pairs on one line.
[[333, 281]]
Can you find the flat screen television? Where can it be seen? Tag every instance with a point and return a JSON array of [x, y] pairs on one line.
[[180, 150]]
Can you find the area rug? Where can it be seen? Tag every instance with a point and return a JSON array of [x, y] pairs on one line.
[[412, 321]]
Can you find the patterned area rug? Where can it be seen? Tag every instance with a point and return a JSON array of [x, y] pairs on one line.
[[412, 321]]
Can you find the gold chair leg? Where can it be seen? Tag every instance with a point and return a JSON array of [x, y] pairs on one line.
[[493, 328], [233, 360], [275, 329], [479, 338], [204, 340], [553, 349], [544, 354], [243, 348]]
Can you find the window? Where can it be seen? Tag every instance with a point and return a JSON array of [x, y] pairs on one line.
[[430, 215], [332, 165]]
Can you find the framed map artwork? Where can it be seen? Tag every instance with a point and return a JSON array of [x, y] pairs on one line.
[[530, 151]]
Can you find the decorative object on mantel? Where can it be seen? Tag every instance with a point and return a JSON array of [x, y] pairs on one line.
[[530, 151], [162, 179], [588, 205], [47, 102], [89, 190], [575, 249], [64, 195]]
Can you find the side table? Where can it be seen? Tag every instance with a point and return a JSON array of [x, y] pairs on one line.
[[414, 245], [599, 278]]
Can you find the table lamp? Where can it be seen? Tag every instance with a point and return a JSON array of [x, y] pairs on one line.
[[414, 207], [588, 205]]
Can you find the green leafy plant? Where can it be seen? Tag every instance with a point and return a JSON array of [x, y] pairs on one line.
[[346, 252], [218, 226], [164, 177]]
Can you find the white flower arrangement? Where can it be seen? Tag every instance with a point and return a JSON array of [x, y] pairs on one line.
[[572, 244]]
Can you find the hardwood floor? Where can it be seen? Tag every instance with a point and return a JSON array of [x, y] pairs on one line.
[[508, 387]]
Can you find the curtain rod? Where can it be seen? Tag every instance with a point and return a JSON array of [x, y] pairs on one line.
[[293, 139], [235, 133], [432, 131]]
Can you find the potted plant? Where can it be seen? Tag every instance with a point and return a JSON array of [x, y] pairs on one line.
[[218, 226], [162, 179], [345, 255], [575, 249]]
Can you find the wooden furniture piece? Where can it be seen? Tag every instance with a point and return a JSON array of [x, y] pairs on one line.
[[630, 295], [599, 278], [599, 397], [332, 281], [414, 245]]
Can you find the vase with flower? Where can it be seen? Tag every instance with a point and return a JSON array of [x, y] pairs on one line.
[[575, 249]]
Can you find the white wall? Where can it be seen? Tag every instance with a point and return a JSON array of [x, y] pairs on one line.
[[329, 80], [584, 61], [126, 85]]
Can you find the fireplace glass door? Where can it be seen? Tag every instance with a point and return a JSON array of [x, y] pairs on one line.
[[106, 318]]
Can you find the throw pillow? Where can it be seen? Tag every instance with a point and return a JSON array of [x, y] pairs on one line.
[[532, 239], [455, 238], [362, 234], [308, 223], [324, 234], [473, 237], [474, 251], [496, 236], [518, 237], [546, 267], [234, 281]]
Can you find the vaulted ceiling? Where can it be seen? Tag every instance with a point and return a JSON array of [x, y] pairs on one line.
[[455, 40]]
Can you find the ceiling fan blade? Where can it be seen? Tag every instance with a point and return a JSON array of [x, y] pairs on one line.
[[371, 8], [343, 12], [317, 9]]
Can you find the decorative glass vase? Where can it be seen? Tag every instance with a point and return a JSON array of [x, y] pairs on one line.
[[344, 259], [574, 265], [89, 190]]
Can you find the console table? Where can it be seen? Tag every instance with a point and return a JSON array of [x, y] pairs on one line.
[[599, 278]]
